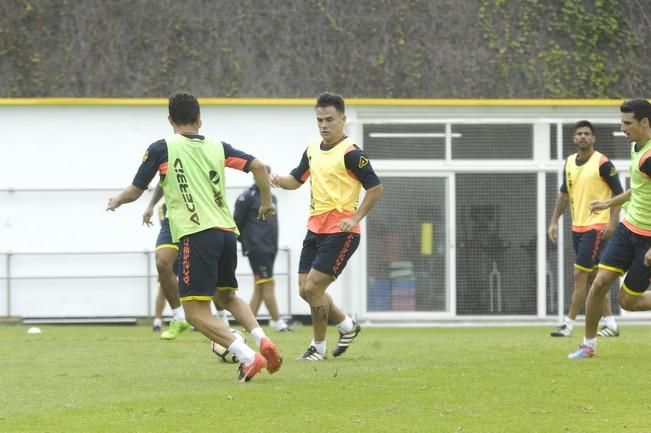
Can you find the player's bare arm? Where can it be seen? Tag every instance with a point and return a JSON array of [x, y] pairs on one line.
[[370, 199], [130, 193], [149, 210], [618, 200], [284, 182], [259, 170], [562, 201]]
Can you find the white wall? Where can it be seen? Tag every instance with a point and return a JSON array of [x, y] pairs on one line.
[[96, 149], [91, 147]]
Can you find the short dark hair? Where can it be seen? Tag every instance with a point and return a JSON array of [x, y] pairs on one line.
[[640, 108], [328, 99], [183, 108], [584, 124]]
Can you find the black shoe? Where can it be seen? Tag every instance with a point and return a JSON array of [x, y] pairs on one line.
[[346, 339], [562, 331], [311, 354]]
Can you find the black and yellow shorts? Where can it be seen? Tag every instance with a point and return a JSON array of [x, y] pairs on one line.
[[208, 263]]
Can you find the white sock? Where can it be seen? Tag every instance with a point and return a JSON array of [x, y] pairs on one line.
[[610, 322], [244, 353], [569, 323], [257, 334], [346, 325], [320, 346], [179, 314], [158, 321], [221, 315], [590, 342]]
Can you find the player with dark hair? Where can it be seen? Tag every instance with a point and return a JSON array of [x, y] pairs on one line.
[[259, 239], [588, 175], [337, 169], [191, 169], [629, 251]]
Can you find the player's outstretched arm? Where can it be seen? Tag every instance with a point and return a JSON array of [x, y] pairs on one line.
[[130, 193], [259, 170], [284, 182], [618, 200]]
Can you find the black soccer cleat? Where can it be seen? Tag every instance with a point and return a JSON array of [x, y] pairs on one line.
[[346, 339], [562, 331], [312, 354]]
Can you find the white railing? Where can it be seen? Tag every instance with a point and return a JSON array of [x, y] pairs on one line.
[[86, 284]]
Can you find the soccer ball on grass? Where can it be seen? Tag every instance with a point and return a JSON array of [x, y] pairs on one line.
[[223, 353]]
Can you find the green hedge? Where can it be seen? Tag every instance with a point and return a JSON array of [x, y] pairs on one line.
[[298, 48]]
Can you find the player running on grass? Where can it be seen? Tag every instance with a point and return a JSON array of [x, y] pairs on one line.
[[338, 169], [191, 169], [629, 251]]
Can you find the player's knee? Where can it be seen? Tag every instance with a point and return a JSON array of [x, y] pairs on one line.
[[302, 293], [311, 291], [600, 285], [163, 266]]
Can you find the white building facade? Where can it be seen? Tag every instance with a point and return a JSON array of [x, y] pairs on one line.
[[459, 234]]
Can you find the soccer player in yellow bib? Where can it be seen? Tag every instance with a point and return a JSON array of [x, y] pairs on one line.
[[588, 176], [629, 250], [338, 169]]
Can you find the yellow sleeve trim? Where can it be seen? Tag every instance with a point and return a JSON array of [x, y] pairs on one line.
[[263, 280], [583, 268], [630, 292], [612, 268], [173, 246]]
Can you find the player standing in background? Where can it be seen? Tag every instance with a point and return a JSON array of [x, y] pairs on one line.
[[191, 169], [629, 251], [259, 239], [167, 265], [338, 169], [588, 176]]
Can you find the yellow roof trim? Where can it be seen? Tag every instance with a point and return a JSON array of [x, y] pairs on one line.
[[310, 101]]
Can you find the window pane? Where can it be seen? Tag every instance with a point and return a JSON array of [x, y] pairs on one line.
[[496, 243], [399, 141], [406, 246], [492, 141]]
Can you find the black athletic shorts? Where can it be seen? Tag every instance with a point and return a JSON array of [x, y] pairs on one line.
[[625, 255], [588, 247], [262, 265], [328, 253], [208, 263]]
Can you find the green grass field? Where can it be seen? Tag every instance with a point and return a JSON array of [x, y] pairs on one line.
[[124, 379]]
